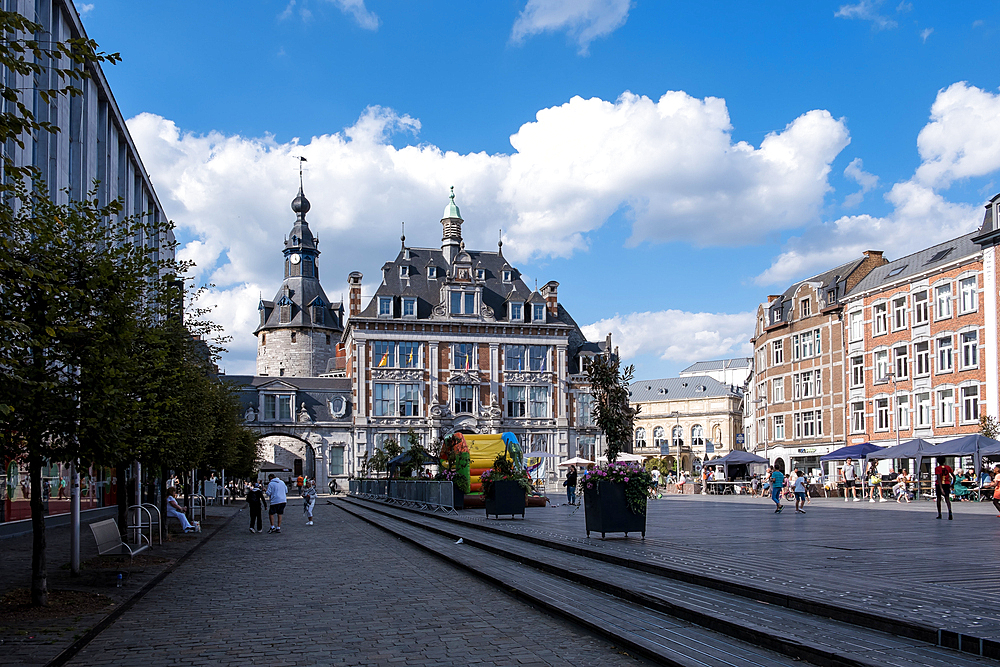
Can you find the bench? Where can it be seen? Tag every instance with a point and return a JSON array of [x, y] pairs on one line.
[[109, 541]]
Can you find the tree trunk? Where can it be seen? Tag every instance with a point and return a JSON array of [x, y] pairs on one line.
[[39, 575], [121, 494], [163, 498]]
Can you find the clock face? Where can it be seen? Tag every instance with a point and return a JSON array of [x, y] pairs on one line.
[[294, 259]]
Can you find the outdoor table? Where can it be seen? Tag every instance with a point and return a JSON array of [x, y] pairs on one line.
[[722, 488]]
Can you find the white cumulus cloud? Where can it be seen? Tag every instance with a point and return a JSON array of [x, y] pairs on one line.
[[868, 10], [676, 335], [669, 163], [867, 181], [961, 140], [583, 20]]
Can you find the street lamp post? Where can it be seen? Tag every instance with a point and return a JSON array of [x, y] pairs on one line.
[[761, 399], [891, 375], [677, 459]]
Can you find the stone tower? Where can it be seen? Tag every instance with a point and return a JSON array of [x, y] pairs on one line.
[[299, 332]]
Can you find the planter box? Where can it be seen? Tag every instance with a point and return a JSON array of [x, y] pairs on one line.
[[459, 497], [507, 498], [607, 511]]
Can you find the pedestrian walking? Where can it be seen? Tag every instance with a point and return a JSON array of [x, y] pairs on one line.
[[800, 492], [298, 484], [309, 493], [945, 477], [996, 488], [655, 488], [848, 474], [62, 489], [874, 483], [777, 480], [255, 501], [571, 485], [277, 495]]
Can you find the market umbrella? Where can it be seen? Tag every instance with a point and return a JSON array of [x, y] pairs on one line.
[[576, 461], [627, 458], [856, 452]]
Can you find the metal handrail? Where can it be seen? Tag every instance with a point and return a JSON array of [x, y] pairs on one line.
[[424, 494], [196, 505], [159, 523], [137, 526]]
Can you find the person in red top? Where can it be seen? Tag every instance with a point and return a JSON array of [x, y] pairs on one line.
[[945, 476]]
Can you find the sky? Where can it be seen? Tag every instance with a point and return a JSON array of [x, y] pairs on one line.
[[669, 164]]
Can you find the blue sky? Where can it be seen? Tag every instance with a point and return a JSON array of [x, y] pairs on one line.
[[670, 164]]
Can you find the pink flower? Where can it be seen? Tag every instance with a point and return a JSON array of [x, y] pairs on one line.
[[626, 479]]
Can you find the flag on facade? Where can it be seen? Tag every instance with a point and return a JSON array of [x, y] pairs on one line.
[[385, 360]]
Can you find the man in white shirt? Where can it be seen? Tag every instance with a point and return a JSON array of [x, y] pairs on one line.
[[277, 494], [849, 475]]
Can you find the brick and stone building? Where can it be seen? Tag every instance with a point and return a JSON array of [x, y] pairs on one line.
[[798, 394], [988, 238], [916, 363], [454, 340]]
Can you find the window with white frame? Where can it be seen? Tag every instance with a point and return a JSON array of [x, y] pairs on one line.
[[923, 409], [777, 390], [806, 307], [946, 407], [856, 323], [516, 312], [778, 352], [584, 410], [779, 427], [761, 359], [464, 356], [806, 345], [967, 288], [970, 349], [537, 357], [858, 417], [640, 438], [409, 354], [922, 357], [806, 384], [677, 436], [404, 271], [384, 354], [538, 402], [463, 303], [808, 424], [336, 461], [385, 306], [902, 412], [880, 319], [409, 307], [278, 407], [942, 302], [901, 359], [465, 395], [970, 404], [432, 272], [857, 371], [480, 274], [920, 315], [508, 276], [384, 400], [697, 436], [517, 401], [945, 354], [409, 400], [761, 392], [881, 414], [899, 313], [881, 366], [538, 312], [514, 357], [659, 438]]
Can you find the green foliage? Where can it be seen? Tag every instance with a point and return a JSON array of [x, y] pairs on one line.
[[416, 455], [504, 468], [612, 412], [989, 426]]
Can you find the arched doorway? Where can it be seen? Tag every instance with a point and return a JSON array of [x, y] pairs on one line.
[[291, 452], [779, 465]]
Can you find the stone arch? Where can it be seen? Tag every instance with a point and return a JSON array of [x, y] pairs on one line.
[[779, 464], [284, 455]]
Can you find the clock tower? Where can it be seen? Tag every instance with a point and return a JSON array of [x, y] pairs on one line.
[[299, 332]]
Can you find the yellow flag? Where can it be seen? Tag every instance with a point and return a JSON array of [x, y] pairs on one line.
[[385, 360]]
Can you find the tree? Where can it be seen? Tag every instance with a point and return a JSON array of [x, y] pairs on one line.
[[989, 426], [612, 412]]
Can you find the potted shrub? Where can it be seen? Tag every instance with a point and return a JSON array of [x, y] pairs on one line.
[[614, 494], [455, 461], [505, 488]]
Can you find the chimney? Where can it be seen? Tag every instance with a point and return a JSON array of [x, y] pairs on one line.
[[772, 297], [354, 281], [873, 254], [550, 291]]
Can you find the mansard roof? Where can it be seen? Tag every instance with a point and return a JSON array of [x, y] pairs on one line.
[[314, 392], [717, 365], [673, 389], [919, 262], [835, 278]]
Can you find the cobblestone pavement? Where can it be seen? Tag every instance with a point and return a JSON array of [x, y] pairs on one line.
[[340, 592]]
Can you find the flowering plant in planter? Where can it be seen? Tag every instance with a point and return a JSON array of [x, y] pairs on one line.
[[634, 476], [504, 469]]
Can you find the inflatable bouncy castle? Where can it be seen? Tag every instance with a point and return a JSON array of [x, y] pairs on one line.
[[474, 454]]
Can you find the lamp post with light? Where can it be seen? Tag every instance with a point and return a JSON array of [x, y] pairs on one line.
[[677, 460], [761, 399]]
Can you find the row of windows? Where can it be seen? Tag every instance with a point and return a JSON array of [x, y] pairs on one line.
[[897, 363], [403, 400], [464, 303], [406, 271], [939, 406], [406, 354], [896, 313], [317, 313], [676, 436], [294, 338], [804, 346], [807, 424]]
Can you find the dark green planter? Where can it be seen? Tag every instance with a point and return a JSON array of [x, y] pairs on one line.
[[459, 497], [607, 511], [507, 497]]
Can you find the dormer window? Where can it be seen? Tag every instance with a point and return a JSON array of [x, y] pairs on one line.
[[463, 303], [516, 312], [385, 306], [284, 313], [406, 253], [806, 308], [480, 274], [409, 307], [432, 272], [538, 312], [404, 271], [508, 276], [318, 314]]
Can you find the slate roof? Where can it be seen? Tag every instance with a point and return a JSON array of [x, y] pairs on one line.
[[717, 365], [673, 389], [833, 278], [919, 262]]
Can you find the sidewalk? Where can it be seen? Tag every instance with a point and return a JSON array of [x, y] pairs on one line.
[[34, 638]]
